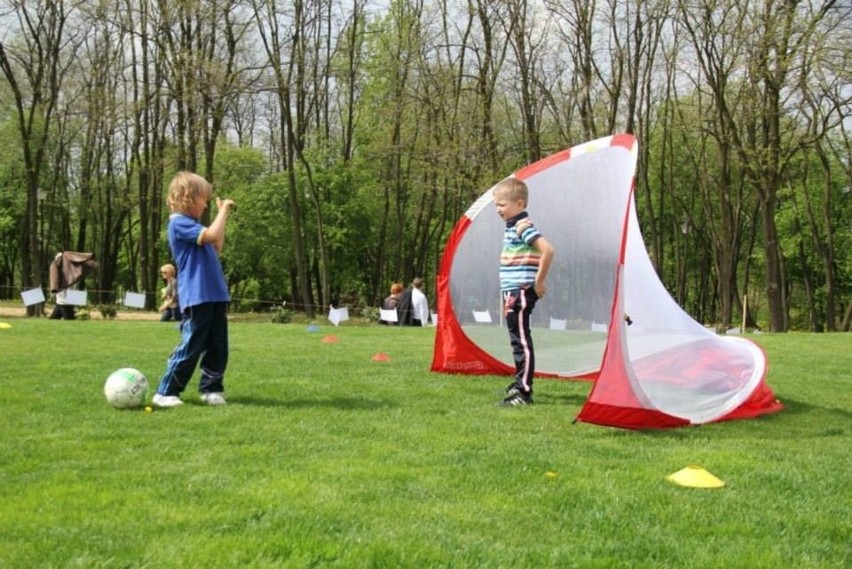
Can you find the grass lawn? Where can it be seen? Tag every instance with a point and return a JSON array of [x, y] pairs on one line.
[[326, 458]]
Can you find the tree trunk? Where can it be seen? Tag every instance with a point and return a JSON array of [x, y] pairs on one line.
[[775, 293]]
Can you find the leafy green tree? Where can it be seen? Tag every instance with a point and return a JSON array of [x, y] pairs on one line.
[[257, 248], [12, 206], [34, 66]]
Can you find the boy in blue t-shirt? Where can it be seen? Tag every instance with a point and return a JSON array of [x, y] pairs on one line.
[[524, 263], [202, 292]]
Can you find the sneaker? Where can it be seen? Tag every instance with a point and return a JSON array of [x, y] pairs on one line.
[[513, 389], [213, 398], [517, 399], [166, 400]]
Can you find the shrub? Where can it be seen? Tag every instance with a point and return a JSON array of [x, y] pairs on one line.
[[281, 315], [370, 313], [108, 311]]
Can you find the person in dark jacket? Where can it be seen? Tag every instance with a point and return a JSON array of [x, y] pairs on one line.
[[410, 307], [405, 309]]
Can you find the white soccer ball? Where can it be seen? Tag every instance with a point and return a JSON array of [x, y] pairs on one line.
[[126, 388]]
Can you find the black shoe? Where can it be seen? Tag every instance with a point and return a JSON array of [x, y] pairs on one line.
[[517, 399], [511, 388]]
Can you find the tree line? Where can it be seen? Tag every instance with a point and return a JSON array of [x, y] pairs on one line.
[[353, 135]]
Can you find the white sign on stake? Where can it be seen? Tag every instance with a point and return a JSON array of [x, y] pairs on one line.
[[388, 315], [32, 296], [76, 297], [134, 299], [482, 316], [338, 315]]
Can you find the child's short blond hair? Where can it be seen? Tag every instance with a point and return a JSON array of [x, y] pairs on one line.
[[184, 188], [513, 189], [168, 269]]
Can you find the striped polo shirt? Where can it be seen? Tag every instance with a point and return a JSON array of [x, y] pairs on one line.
[[519, 260]]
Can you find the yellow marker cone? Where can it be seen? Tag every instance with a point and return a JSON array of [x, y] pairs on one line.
[[695, 477], [5, 325]]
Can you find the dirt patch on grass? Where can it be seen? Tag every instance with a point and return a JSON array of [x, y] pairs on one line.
[[94, 314]]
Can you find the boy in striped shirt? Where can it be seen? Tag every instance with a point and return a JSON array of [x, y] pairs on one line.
[[524, 263]]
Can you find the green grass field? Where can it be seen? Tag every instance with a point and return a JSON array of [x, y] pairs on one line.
[[325, 458]]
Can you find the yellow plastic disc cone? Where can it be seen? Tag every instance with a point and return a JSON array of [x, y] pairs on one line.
[[4, 325], [695, 477]]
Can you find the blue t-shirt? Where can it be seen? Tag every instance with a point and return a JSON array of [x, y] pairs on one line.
[[200, 276]]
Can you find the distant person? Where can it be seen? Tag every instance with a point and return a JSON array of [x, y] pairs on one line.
[[524, 263], [62, 310], [169, 308], [390, 301], [412, 305], [66, 272], [202, 293], [419, 303]]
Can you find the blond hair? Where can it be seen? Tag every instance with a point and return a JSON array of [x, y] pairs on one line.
[[513, 189], [184, 188], [168, 268]]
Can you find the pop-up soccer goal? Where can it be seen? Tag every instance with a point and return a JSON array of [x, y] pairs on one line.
[[663, 370]]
